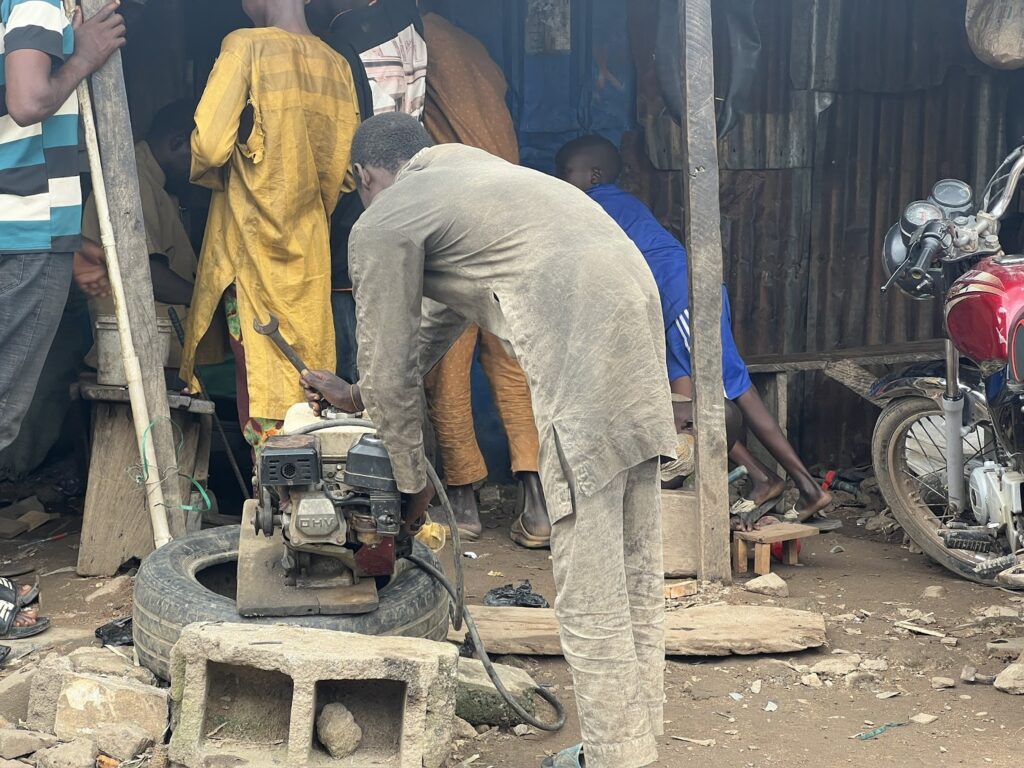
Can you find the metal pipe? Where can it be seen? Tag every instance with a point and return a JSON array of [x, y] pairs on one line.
[[953, 410]]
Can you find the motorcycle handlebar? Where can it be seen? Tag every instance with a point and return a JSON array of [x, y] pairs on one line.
[[931, 245]]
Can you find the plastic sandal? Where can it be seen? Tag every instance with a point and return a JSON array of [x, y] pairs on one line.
[[525, 539], [10, 608], [567, 758]]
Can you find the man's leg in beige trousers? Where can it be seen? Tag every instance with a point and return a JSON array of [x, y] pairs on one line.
[[608, 570]]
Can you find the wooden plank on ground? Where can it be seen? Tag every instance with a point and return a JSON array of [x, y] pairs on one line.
[[680, 525], [677, 588], [708, 630]]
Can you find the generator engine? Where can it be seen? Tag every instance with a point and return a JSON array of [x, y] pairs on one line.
[[340, 516]]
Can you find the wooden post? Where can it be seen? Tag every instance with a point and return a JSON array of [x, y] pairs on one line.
[[704, 241], [113, 124]]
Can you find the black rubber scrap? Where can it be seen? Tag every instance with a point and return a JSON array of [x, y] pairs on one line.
[[522, 596]]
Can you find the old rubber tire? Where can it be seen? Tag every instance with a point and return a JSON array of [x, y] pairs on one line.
[[916, 517], [168, 597]]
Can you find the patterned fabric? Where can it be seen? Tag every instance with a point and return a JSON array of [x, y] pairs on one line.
[[40, 194], [273, 194], [398, 73]]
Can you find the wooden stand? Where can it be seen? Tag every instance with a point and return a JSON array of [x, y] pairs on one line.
[[679, 530], [116, 525], [788, 533]]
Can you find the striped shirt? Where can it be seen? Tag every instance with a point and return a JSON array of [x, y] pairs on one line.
[[40, 192]]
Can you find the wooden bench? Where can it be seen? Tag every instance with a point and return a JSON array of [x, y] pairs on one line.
[[787, 533], [115, 520], [850, 367]]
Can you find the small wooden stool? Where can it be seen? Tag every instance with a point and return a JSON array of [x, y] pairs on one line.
[[788, 533]]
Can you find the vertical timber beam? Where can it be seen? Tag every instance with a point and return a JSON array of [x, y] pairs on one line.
[[704, 242], [117, 146]]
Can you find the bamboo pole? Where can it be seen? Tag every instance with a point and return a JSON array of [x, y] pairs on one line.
[[152, 478]]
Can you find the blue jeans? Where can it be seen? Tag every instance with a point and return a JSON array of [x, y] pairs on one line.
[[33, 291], [343, 304]]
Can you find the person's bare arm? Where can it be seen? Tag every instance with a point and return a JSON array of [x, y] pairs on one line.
[[168, 286], [34, 91]]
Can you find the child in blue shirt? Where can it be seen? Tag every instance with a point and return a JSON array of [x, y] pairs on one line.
[[593, 164]]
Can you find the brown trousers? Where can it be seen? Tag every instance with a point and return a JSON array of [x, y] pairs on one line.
[[451, 408]]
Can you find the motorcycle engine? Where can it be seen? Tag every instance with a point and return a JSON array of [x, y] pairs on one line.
[[346, 511], [996, 499]]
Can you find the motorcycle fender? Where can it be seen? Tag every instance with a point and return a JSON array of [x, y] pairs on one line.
[[932, 387]]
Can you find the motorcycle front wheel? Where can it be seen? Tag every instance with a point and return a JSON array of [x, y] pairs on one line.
[[908, 451]]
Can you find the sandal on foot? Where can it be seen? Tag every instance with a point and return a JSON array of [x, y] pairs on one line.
[[525, 539], [567, 758], [822, 523], [23, 600], [750, 511], [10, 609]]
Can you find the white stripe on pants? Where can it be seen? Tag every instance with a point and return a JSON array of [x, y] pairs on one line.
[[607, 559]]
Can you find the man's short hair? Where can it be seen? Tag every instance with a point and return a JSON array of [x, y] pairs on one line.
[[178, 117], [598, 151], [389, 141]]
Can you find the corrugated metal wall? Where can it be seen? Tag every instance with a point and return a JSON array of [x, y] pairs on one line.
[[861, 106]]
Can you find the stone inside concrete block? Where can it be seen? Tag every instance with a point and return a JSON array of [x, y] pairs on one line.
[[88, 703], [478, 701], [400, 692], [338, 731], [122, 741], [15, 691]]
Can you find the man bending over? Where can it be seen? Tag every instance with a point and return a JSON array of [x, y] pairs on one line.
[[453, 235]]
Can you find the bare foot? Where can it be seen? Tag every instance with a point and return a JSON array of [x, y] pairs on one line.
[[772, 488], [467, 514], [811, 508]]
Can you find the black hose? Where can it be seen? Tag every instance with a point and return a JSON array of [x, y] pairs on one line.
[[458, 610], [492, 673]]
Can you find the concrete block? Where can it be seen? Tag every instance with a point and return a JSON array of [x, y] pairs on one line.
[[46, 687], [15, 690], [80, 753], [103, 661], [246, 694], [478, 701], [88, 703], [15, 743]]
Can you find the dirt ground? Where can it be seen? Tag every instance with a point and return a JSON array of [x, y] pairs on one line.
[[862, 582]]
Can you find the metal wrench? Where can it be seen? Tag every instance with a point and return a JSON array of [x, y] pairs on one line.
[[272, 328]]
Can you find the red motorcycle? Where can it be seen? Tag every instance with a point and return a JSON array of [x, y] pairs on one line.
[[948, 448]]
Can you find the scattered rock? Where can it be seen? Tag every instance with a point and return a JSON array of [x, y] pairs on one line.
[[935, 592], [755, 687], [772, 585], [80, 753], [111, 588], [463, 731], [88, 703], [860, 679], [15, 691], [922, 718], [971, 675], [122, 741], [938, 683], [838, 666], [478, 702], [999, 612], [338, 731], [874, 665], [887, 695], [103, 661], [950, 642], [522, 730], [1011, 679], [1004, 649], [811, 681], [46, 687], [15, 743], [838, 549]]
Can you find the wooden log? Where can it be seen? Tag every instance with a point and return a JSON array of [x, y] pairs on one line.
[[704, 242], [707, 630], [679, 530], [113, 124]]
